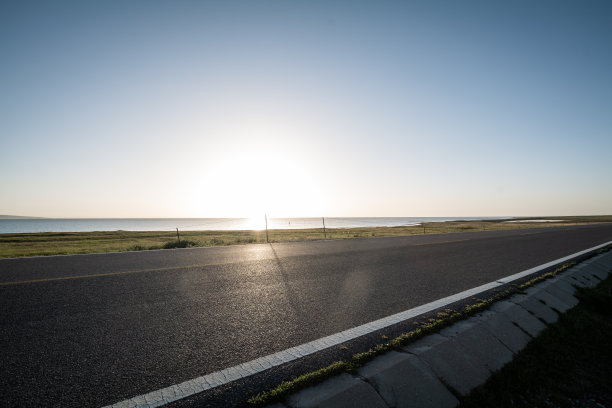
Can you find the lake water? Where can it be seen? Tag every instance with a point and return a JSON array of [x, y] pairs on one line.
[[195, 224]]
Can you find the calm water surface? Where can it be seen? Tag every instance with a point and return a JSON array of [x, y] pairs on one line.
[[193, 224]]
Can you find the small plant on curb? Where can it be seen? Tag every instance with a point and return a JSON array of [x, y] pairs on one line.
[[545, 276], [444, 319], [288, 387]]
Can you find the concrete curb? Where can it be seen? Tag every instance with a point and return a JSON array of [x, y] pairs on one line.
[[431, 371]]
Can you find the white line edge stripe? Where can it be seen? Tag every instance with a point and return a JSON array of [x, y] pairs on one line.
[[185, 389], [528, 272]]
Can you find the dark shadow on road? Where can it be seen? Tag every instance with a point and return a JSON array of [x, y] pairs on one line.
[[292, 295]]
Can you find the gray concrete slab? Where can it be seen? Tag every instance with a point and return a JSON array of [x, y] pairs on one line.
[[337, 392], [551, 301], [521, 317], [534, 306], [602, 264], [561, 284], [425, 343], [561, 294], [479, 343], [500, 326], [575, 281], [582, 265], [585, 264], [596, 269], [593, 281], [606, 268], [606, 263], [606, 259], [586, 278], [583, 271], [459, 327], [451, 362], [403, 380], [599, 270], [607, 255]]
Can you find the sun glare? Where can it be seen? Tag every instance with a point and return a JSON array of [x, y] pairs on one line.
[[252, 183]]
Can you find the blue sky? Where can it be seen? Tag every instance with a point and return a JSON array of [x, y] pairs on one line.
[[212, 109]]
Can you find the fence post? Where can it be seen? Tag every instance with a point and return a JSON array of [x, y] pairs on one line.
[[324, 232], [266, 216], [178, 236]]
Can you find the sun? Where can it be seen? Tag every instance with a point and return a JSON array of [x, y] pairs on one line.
[[254, 183], [255, 222]]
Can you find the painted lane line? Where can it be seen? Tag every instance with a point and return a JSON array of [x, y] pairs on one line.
[[98, 275], [209, 381], [61, 278]]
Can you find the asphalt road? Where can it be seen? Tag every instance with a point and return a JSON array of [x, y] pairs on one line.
[[91, 330]]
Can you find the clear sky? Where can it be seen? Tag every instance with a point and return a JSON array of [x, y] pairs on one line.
[[313, 108]]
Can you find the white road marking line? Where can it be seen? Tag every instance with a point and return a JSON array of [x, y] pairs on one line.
[[185, 389], [528, 272]]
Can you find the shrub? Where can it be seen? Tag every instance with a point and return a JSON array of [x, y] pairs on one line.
[[185, 243]]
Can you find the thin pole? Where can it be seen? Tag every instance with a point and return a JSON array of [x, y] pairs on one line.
[[267, 240], [423, 227], [324, 232], [178, 236]]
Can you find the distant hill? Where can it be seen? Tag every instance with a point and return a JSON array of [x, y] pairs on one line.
[[15, 217]]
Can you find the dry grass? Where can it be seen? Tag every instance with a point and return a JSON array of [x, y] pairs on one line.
[[19, 245]]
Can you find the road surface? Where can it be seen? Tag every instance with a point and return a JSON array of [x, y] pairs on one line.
[[91, 330]]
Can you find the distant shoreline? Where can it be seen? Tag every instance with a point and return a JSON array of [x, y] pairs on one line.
[[63, 243], [20, 217], [34, 225]]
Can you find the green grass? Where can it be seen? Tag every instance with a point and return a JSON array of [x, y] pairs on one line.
[[433, 325], [18, 245], [568, 365]]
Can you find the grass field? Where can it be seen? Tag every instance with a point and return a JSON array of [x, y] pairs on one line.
[[55, 243]]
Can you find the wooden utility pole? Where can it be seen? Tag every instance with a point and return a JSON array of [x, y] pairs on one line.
[[178, 236], [324, 232], [267, 240]]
